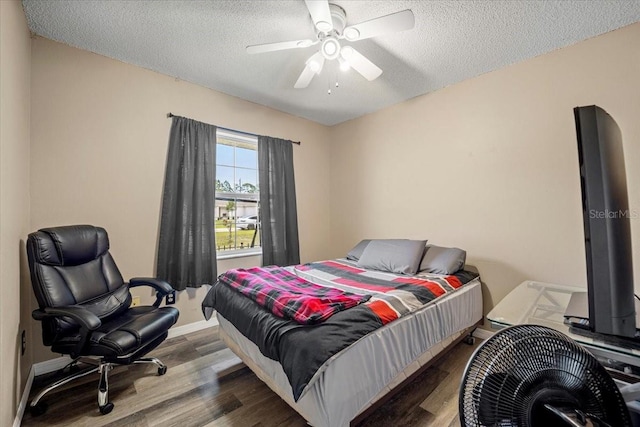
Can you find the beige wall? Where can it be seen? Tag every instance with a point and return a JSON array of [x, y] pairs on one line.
[[490, 164], [15, 69], [99, 141]]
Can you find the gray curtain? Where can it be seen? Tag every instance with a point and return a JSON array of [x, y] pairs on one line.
[[187, 243], [278, 212]]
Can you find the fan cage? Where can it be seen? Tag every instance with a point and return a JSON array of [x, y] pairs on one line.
[[506, 377]]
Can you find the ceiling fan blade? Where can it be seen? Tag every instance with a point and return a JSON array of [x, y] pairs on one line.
[[320, 14], [360, 63], [399, 21], [305, 78], [270, 47], [311, 68]]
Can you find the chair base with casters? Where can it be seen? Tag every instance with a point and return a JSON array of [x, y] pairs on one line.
[[38, 407], [85, 308]]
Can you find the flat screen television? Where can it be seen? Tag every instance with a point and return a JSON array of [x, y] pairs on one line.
[[607, 233]]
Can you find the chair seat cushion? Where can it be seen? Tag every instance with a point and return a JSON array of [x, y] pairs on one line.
[[126, 333]]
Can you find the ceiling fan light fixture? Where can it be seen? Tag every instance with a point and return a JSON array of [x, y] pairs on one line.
[[351, 34], [324, 26], [330, 48]]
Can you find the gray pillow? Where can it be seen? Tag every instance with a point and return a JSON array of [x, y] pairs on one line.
[[395, 255], [441, 260], [355, 253]]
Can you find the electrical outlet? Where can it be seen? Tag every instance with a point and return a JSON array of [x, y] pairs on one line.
[[24, 342], [171, 298], [135, 301]]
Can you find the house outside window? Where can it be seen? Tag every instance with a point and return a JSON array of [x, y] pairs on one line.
[[237, 195]]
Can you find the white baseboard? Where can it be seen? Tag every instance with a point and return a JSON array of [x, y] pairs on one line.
[[52, 365], [25, 397], [192, 327], [482, 333], [37, 369]]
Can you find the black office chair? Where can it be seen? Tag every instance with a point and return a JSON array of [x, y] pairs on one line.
[[85, 306]]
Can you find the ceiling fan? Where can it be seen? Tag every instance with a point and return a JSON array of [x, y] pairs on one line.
[[330, 20]]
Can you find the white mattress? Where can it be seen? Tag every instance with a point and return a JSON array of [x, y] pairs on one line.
[[355, 378]]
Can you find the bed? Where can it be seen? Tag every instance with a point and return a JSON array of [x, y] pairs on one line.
[[334, 372]]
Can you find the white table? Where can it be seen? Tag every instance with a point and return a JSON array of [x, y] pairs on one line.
[[544, 304]]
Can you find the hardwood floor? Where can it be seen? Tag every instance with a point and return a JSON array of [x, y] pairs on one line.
[[207, 385]]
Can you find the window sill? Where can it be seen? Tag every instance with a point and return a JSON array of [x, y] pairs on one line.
[[240, 254]]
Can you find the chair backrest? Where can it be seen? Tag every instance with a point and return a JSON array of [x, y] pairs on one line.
[[71, 265]]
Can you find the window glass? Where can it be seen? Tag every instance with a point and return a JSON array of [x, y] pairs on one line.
[[246, 180], [224, 154], [246, 157], [224, 179], [237, 194]]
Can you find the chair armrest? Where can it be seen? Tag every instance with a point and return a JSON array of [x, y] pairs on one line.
[[162, 288], [88, 322], [159, 285], [84, 317]]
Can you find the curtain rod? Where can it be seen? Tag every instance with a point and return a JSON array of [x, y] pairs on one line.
[[169, 115]]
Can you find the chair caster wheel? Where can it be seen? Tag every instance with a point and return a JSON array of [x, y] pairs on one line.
[[104, 410], [470, 340], [38, 409], [162, 371]]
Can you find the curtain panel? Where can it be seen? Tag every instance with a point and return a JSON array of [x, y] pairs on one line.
[[187, 247], [278, 212]]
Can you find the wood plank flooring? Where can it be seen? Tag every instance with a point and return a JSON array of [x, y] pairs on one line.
[[207, 385]]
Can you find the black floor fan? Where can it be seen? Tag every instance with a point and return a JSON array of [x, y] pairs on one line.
[[530, 376]]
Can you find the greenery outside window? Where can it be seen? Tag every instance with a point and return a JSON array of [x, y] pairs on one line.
[[237, 195]]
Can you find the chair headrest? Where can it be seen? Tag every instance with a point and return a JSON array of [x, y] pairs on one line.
[[69, 245]]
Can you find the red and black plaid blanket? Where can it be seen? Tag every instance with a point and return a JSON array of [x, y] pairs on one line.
[[289, 296]]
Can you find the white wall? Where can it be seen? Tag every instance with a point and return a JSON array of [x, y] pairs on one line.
[[490, 164], [15, 69]]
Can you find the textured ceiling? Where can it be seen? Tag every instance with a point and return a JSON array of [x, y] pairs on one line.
[[204, 42]]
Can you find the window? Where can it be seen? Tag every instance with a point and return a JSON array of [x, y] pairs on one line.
[[237, 194]]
